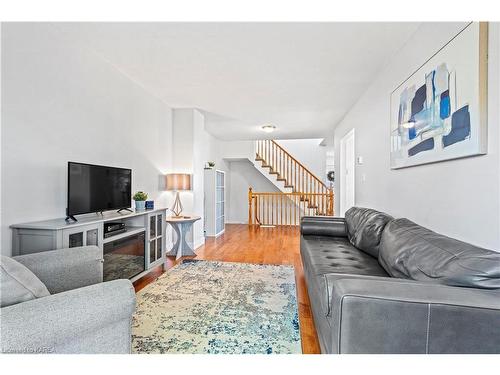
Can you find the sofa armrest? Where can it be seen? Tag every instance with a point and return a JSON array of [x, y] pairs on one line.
[[389, 316], [323, 226], [53, 323], [65, 269]]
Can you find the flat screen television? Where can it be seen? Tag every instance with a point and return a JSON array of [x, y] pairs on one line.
[[97, 188]]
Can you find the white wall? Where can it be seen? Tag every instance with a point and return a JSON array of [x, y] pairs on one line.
[[193, 147], [309, 152], [235, 150], [330, 161], [1, 127], [206, 148], [459, 198], [242, 175], [60, 103], [202, 148]]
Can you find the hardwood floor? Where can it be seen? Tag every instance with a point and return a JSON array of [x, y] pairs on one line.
[[242, 243]]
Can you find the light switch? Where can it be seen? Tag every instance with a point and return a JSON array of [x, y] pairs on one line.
[[360, 160]]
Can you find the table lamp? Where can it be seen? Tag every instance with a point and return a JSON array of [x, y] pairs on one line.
[[177, 182]]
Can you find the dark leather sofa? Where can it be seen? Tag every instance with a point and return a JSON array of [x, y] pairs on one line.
[[384, 285]]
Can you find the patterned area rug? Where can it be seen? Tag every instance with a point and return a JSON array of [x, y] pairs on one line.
[[218, 307]]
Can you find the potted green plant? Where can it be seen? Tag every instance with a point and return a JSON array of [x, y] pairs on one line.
[[140, 200]]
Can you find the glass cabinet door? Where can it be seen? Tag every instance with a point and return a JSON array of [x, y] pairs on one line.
[[152, 227], [219, 202], [88, 235], [156, 229], [159, 225], [158, 248], [152, 251], [76, 239], [92, 237]]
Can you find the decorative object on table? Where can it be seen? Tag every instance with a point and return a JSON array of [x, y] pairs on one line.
[[150, 205], [439, 112], [140, 198], [177, 182], [218, 307], [209, 165], [182, 225], [330, 176]]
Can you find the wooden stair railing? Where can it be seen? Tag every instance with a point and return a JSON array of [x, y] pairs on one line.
[[294, 173], [309, 195], [279, 208]]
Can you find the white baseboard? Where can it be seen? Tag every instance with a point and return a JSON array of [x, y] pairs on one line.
[[199, 242]]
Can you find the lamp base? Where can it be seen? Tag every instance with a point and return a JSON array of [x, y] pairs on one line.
[[177, 207]]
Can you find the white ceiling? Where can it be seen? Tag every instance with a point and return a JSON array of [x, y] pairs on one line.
[[300, 77]]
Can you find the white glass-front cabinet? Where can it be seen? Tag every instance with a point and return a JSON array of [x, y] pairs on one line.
[[156, 237], [215, 194]]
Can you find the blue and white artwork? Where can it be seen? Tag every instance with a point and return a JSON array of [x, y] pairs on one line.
[[439, 112]]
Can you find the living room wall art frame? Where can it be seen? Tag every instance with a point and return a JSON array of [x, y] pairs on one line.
[[440, 112]]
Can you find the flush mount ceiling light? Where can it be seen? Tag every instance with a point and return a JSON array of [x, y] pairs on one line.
[[268, 128]]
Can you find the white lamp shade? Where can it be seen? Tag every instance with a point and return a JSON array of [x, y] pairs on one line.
[[178, 181]]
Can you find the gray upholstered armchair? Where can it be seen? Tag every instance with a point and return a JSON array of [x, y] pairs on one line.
[[75, 313]]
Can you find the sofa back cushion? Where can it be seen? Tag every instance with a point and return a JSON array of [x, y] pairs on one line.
[[364, 228], [410, 251], [323, 226], [18, 283]]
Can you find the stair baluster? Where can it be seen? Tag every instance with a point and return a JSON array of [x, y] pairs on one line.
[[309, 195]]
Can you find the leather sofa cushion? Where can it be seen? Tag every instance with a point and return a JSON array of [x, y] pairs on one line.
[[323, 226], [325, 255], [364, 228], [410, 251], [337, 255], [327, 281], [322, 324], [18, 283]]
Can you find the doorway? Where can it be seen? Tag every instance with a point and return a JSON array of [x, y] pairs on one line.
[[347, 172]]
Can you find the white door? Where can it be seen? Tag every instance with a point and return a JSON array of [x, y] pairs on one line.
[[347, 172]]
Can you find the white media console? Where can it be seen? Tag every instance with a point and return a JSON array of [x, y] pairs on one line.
[[129, 254]]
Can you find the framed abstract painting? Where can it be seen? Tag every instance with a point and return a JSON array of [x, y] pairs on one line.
[[440, 112]]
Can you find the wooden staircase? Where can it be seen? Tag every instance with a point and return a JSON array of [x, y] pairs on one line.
[[307, 194]]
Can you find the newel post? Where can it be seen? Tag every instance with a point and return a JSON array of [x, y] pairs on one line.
[[250, 199], [330, 202]]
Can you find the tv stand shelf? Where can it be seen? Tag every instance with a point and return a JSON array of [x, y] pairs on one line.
[[46, 235], [61, 223], [129, 231]]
